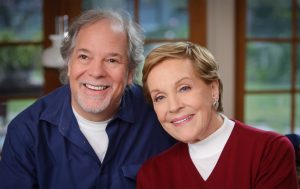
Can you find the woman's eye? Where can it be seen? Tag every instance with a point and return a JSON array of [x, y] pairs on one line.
[[185, 88], [158, 98]]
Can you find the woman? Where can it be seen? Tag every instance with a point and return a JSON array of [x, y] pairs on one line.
[[181, 80]]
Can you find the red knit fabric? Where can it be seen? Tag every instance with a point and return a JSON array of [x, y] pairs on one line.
[[251, 158]]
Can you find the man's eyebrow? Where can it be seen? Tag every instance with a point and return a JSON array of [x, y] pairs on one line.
[[115, 54], [82, 50], [109, 54]]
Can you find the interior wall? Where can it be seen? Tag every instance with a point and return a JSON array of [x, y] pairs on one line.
[[221, 42]]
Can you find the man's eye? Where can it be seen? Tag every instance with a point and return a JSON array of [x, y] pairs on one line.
[[111, 60], [83, 57]]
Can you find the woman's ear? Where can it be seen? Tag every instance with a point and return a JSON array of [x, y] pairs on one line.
[[215, 89], [68, 71], [215, 94]]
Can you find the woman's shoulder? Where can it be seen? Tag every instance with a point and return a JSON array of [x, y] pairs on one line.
[[245, 129], [258, 136]]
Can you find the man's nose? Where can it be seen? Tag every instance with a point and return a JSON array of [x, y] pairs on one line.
[[97, 69]]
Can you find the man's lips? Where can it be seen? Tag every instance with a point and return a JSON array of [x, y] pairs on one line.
[[182, 120], [96, 87]]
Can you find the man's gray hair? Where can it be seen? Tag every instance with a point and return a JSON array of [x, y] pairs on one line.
[[134, 33]]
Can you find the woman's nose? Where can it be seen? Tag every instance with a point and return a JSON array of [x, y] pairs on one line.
[[174, 104]]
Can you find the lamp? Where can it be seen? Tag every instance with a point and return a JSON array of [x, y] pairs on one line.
[[51, 56]]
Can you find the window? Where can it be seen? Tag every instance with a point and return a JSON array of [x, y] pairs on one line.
[[268, 64], [163, 21], [21, 37], [21, 75], [25, 27]]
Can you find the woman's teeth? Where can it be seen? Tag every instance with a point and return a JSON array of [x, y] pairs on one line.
[[183, 120]]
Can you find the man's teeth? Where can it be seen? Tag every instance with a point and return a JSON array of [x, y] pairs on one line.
[[180, 121], [94, 87]]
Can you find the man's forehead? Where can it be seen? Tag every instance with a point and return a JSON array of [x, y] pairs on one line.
[[117, 26]]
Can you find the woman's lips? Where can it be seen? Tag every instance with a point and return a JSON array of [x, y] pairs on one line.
[[182, 120]]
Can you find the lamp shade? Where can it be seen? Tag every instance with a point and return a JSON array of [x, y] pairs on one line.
[[51, 55]]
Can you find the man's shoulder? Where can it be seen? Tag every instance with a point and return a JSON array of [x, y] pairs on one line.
[[45, 105], [135, 97], [135, 90], [57, 93]]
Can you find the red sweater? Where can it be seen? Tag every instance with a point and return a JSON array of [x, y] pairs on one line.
[[251, 158]]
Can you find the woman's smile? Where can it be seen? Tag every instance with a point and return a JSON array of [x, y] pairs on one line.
[[183, 120]]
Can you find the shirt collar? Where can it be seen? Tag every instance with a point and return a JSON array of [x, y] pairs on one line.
[[126, 111], [56, 114], [53, 113]]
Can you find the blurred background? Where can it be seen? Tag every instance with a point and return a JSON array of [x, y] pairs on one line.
[[256, 43]]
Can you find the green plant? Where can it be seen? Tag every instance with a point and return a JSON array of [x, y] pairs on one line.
[[18, 58]]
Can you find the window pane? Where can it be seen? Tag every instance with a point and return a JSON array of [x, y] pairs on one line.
[[298, 68], [147, 49], [21, 20], [269, 112], [298, 17], [112, 4], [20, 69], [8, 110], [268, 66], [297, 125], [269, 18], [164, 19], [3, 123]]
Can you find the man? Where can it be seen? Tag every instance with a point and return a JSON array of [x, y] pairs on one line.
[[96, 131]]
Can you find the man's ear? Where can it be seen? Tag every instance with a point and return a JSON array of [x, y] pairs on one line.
[[130, 78]]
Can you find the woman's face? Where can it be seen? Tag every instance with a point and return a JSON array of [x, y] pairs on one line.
[[182, 101]]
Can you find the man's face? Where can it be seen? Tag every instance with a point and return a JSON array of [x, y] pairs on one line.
[[98, 70]]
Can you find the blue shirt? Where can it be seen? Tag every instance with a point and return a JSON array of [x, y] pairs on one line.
[[44, 147]]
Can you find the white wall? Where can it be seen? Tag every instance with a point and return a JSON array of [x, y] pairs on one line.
[[221, 42]]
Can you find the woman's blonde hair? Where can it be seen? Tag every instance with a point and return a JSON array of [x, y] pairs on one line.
[[203, 62]]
